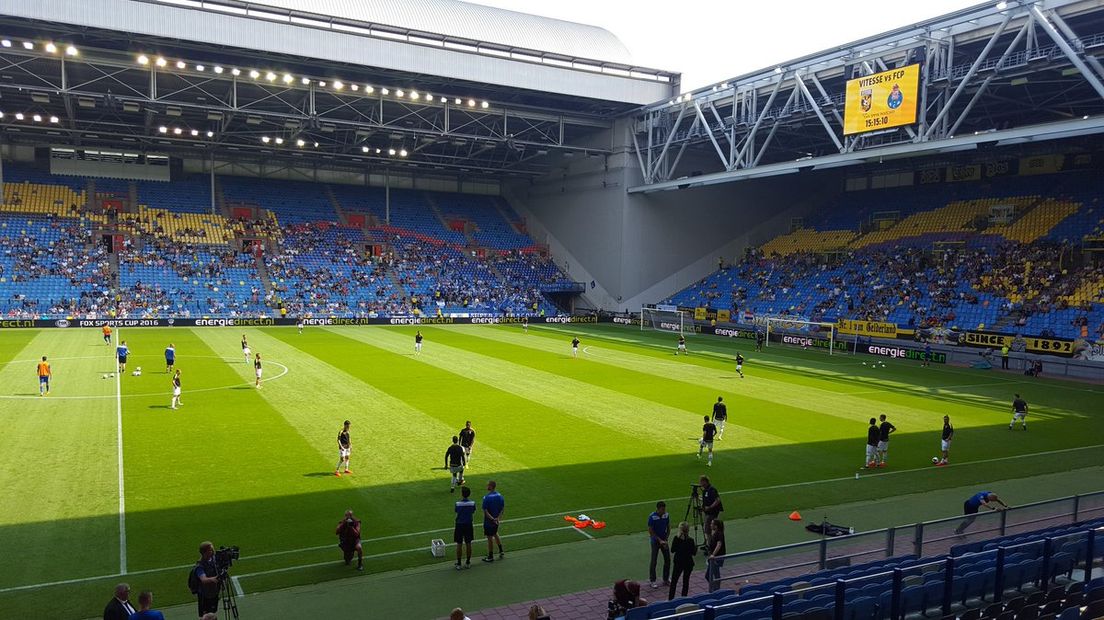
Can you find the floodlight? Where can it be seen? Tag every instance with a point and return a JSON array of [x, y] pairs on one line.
[[399, 93], [471, 103], [378, 151], [305, 81], [177, 131], [254, 74], [457, 101], [54, 119], [71, 51], [210, 134], [363, 149], [338, 85], [390, 151], [279, 140], [18, 116], [384, 91], [218, 69], [300, 142], [288, 79], [195, 132], [37, 118], [778, 69], [1, 115], [163, 129], [402, 153], [5, 42], [180, 64], [270, 76], [1002, 5], [368, 89], [265, 139], [355, 86], [50, 47], [315, 145], [322, 84], [161, 62], [27, 45], [485, 105], [429, 97], [235, 71], [414, 95], [143, 60], [200, 68]]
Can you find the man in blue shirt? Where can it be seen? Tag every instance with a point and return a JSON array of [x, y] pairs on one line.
[[464, 531], [145, 601], [170, 358], [121, 353], [971, 506], [659, 530], [493, 507]]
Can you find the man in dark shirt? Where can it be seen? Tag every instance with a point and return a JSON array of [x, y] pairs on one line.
[[711, 506], [884, 430], [467, 440], [418, 342], [575, 347], [1019, 412], [464, 531], [872, 435], [945, 442], [681, 345], [344, 449], [709, 430], [207, 578], [720, 416], [758, 340], [348, 536], [740, 364], [454, 462]]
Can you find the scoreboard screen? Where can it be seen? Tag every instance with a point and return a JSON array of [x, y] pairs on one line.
[[881, 100]]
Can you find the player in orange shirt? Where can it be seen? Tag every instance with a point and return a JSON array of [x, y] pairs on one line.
[[44, 377], [107, 333]]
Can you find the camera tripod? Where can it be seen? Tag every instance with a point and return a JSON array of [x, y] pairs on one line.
[[226, 594], [694, 513]]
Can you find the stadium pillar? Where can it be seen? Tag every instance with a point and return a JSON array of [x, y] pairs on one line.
[[211, 162], [998, 576], [776, 606], [841, 591], [1090, 552], [948, 584], [895, 597], [387, 198]]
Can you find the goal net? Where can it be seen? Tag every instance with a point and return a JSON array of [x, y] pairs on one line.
[[805, 334], [676, 321]]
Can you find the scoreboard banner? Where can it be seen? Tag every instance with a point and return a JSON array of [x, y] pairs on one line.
[[881, 100]]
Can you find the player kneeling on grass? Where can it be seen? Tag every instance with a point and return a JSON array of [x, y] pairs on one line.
[[348, 536], [176, 391]]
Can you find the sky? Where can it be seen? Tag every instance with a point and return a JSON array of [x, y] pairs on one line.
[[710, 41]]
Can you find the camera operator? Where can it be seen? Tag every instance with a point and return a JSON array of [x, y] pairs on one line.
[[711, 506], [348, 535], [207, 576]]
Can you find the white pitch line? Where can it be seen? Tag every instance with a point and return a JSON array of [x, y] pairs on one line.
[[582, 530], [119, 438], [650, 502], [237, 586]]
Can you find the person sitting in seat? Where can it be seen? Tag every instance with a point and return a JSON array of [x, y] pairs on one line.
[[626, 595]]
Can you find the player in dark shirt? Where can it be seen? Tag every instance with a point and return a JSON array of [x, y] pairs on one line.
[[245, 349], [872, 435], [344, 449], [709, 430], [257, 370], [884, 430], [1019, 412], [454, 462], [575, 347], [758, 341], [467, 440], [720, 416], [681, 345], [176, 391], [945, 442], [740, 364], [418, 342]]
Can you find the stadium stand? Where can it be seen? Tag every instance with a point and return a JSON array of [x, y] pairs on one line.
[[920, 265]]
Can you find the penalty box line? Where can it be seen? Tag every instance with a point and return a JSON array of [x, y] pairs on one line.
[[650, 502]]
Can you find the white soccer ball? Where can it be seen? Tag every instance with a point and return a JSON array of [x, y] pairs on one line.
[[105, 376], [864, 363], [935, 459], [111, 375], [138, 369]]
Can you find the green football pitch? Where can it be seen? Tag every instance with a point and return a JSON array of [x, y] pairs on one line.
[[102, 478]]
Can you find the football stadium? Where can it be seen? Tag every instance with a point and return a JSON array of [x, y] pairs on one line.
[[428, 309]]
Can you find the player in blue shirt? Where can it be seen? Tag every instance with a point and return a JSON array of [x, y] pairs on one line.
[[464, 533], [659, 530], [145, 602], [493, 507], [170, 358], [971, 506], [121, 353]]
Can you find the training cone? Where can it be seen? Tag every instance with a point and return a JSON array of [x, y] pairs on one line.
[[570, 519], [795, 516]]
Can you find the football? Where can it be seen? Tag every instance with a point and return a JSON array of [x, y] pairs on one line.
[[935, 459]]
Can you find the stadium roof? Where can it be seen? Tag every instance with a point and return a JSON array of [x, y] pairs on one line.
[[472, 21]]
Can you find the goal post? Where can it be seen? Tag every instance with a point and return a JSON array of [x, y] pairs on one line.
[[801, 333], [666, 320]]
